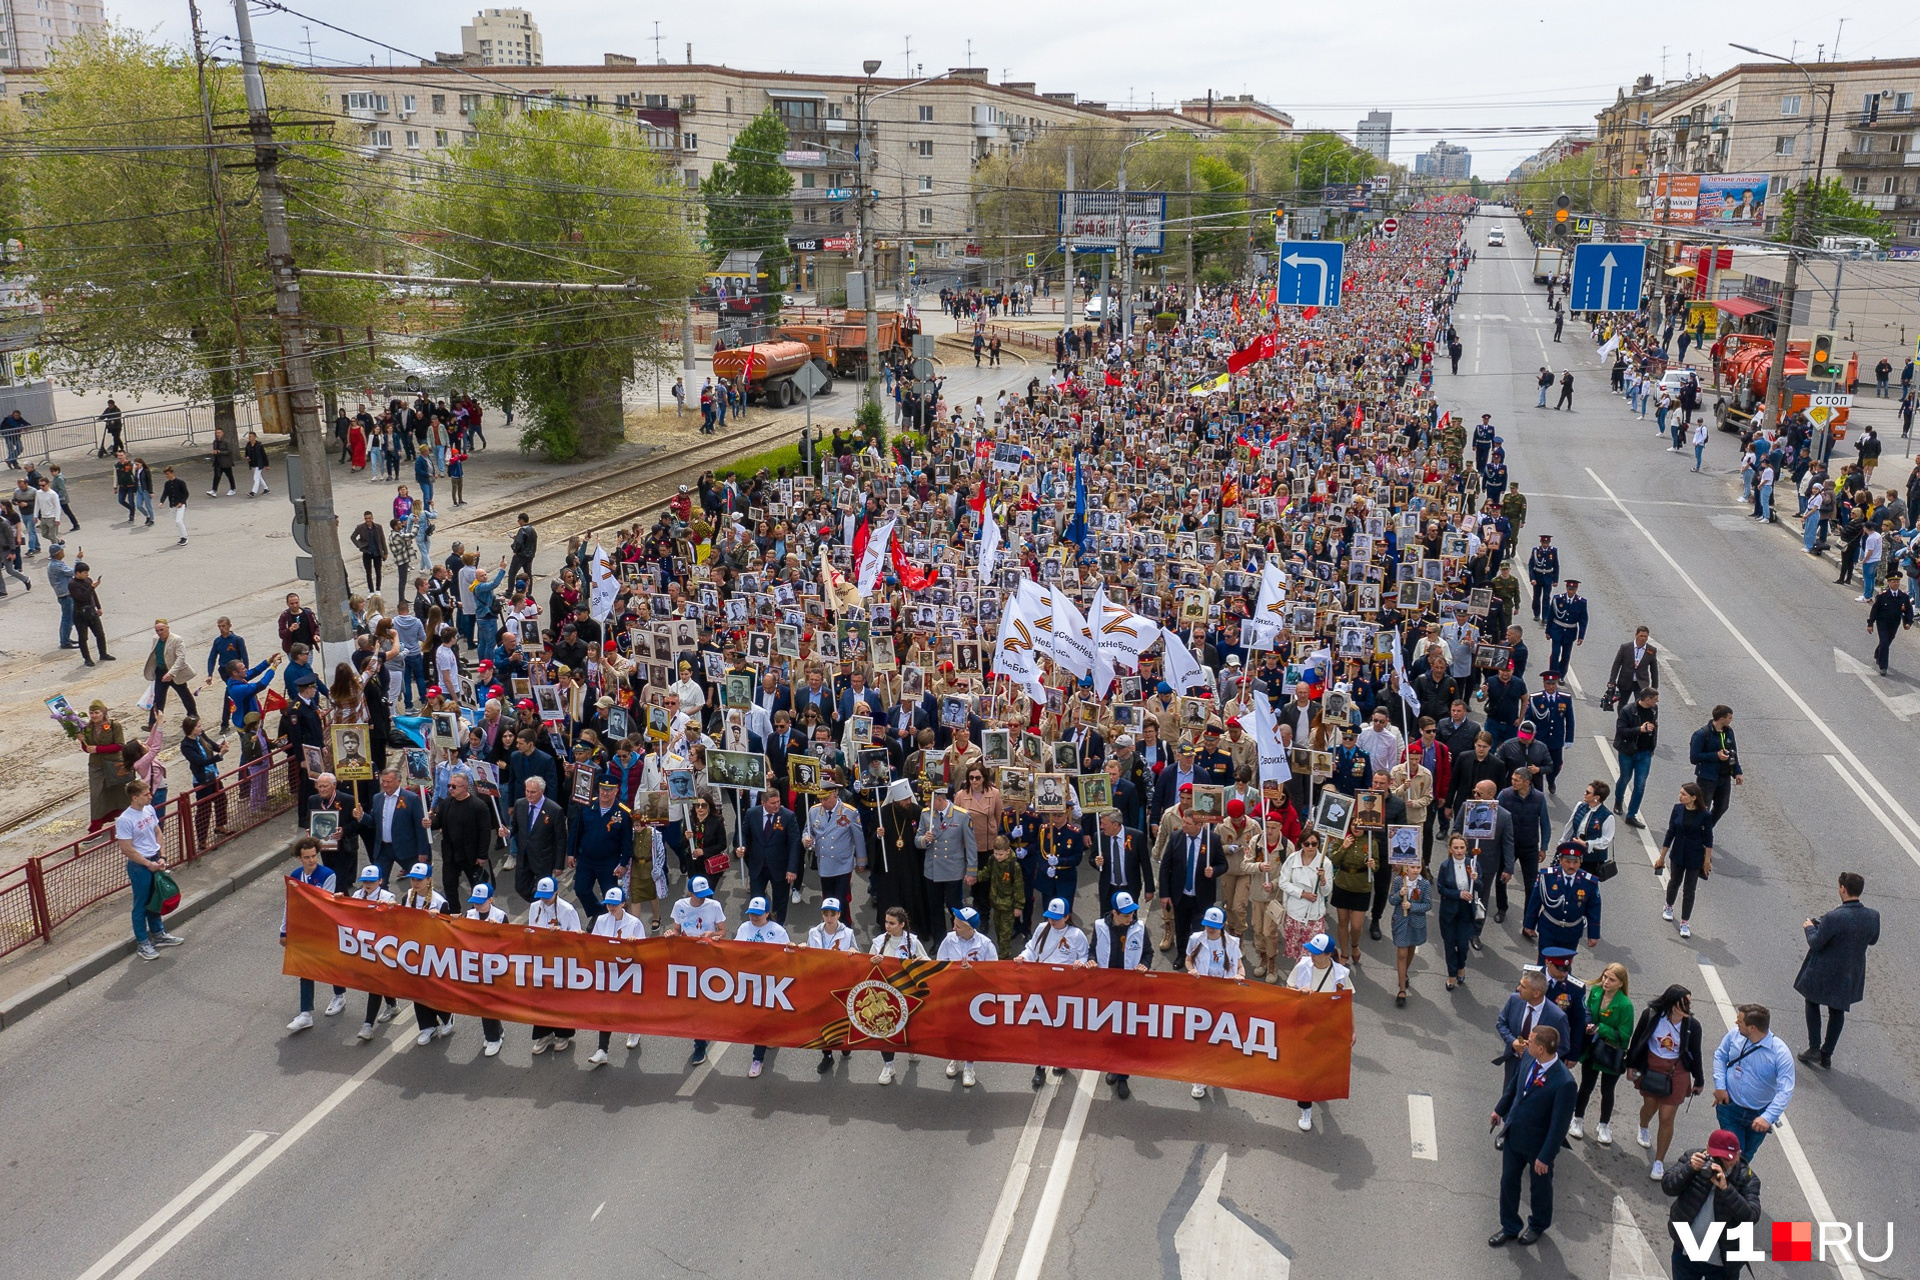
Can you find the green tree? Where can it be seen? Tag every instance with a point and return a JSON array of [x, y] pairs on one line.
[[1835, 213], [749, 195], [123, 239], [560, 196]]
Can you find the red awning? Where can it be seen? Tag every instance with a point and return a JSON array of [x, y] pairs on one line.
[[1741, 307]]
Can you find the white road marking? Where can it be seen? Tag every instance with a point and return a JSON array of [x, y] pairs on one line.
[[211, 1205], [1426, 1141], [987, 1265], [194, 1190], [1903, 706], [1789, 1141], [1633, 1257], [1839, 744], [596, 1212], [1033, 1259], [700, 1073], [1898, 835], [1573, 682], [1638, 502], [1612, 763], [1214, 1244], [1667, 660]]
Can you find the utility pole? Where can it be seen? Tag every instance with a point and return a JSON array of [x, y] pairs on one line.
[[1073, 209], [863, 155], [1189, 222], [314, 518], [1126, 263]]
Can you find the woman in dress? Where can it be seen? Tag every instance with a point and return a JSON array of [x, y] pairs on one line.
[[1412, 896], [1663, 1060], [1352, 860], [107, 778], [357, 443]]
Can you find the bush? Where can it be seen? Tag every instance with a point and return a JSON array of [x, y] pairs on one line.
[[872, 422], [1165, 321]]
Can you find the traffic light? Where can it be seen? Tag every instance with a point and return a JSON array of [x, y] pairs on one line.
[[1529, 211], [1820, 362]]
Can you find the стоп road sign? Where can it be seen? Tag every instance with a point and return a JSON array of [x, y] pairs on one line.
[[1310, 273], [1606, 276]]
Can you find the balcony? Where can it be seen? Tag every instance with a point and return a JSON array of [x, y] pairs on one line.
[[1888, 120], [1878, 159]]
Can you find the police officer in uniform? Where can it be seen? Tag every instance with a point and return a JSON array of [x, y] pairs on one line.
[[1566, 625], [1570, 997], [1892, 609], [1120, 942], [1551, 711], [1565, 903], [1215, 763], [600, 848], [836, 837], [1543, 571], [1494, 474]]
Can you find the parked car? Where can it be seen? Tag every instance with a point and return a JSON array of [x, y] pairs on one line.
[[1096, 308]]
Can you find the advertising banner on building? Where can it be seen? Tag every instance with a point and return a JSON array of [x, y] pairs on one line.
[[1213, 1031], [1092, 220], [1711, 199]]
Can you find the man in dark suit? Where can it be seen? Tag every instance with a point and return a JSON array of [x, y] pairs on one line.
[[1092, 748], [340, 855], [538, 829], [1166, 788], [394, 826], [1189, 872], [1834, 974], [1526, 1009], [1636, 666], [772, 695], [1536, 1107], [859, 700], [1125, 861], [770, 836], [814, 693]]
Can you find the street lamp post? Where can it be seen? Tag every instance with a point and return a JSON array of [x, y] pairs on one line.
[[868, 163], [1126, 251]]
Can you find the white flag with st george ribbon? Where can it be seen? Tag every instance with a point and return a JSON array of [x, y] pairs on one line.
[[606, 586], [1183, 669], [989, 544], [1016, 648], [875, 559], [1266, 737]]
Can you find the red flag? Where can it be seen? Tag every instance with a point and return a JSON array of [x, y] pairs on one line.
[[859, 544], [1307, 314], [1261, 348], [910, 578], [1113, 379], [978, 502]]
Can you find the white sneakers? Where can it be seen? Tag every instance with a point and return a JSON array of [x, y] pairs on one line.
[[1604, 1134], [335, 1005], [425, 1037], [446, 1028], [754, 1068], [1577, 1128], [1199, 1091], [301, 1021], [953, 1069], [147, 952], [1666, 913], [886, 1073], [1658, 1171], [492, 1049], [1644, 1137], [598, 1058], [386, 1012], [633, 1042], [1306, 1120], [966, 1076], [1685, 932], [543, 1044], [365, 1032]]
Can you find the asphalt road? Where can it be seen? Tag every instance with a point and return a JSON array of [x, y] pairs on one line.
[[133, 1104]]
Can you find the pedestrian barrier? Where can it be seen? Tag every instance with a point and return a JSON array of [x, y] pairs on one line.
[[182, 423], [46, 891]]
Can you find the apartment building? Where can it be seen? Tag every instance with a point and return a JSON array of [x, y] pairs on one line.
[[1374, 134], [1853, 120], [32, 30], [1623, 135], [503, 38], [1448, 161], [927, 137]]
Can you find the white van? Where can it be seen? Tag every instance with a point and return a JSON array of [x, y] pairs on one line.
[[1496, 237]]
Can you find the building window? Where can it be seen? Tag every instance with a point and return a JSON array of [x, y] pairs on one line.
[[1790, 105], [407, 101], [383, 138], [656, 101], [593, 102], [809, 214], [926, 115], [1903, 101], [413, 139], [692, 177], [1860, 184], [440, 138], [688, 102], [925, 146], [439, 104], [1886, 186], [1783, 145], [469, 103], [926, 183], [689, 142], [926, 217]]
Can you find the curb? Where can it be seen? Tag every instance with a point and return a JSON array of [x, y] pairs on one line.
[[109, 957]]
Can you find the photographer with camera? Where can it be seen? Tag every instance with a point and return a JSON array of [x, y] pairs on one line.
[[1714, 1185], [1716, 760]]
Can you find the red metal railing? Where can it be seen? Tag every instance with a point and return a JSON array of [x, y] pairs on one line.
[[45, 892]]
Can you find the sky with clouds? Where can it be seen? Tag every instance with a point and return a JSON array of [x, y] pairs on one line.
[[1498, 79]]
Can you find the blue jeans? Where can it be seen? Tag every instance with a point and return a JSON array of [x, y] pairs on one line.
[[1766, 502], [1810, 532], [1867, 572], [413, 671], [1738, 1120], [1660, 419], [1633, 768], [487, 630], [145, 922], [426, 490], [1697, 451], [1543, 399], [144, 501], [66, 621], [306, 994], [33, 536]]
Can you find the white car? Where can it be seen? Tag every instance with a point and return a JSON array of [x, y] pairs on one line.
[[1496, 237], [1096, 308]]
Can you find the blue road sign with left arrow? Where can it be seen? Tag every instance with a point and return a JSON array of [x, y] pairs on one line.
[[1310, 273], [1606, 277]]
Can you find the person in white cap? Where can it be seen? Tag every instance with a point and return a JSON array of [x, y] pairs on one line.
[[1121, 926], [615, 922], [758, 928], [896, 941], [698, 916], [1212, 952], [967, 944], [1056, 941], [550, 911], [480, 906], [379, 1008], [831, 935], [310, 871], [1318, 971], [422, 896]]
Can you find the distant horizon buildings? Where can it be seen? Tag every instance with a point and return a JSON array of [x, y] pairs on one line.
[[1374, 134], [1447, 161]]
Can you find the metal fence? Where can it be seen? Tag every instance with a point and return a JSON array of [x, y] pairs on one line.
[[184, 424], [45, 892]]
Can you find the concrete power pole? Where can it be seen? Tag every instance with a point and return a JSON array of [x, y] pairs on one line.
[[315, 520], [862, 199], [1066, 312]]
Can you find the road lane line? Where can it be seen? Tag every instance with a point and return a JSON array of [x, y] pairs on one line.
[[193, 1192], [1793, 695], [1573, 681], [1898, 835], [1632, 1256], [1613, 776], [1426, 1141], [701, 1072], [1001, 1224], [211, 1205], [1215, 1242], [1034, 1258], [1789, 1141]]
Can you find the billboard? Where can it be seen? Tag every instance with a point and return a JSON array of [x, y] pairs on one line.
[[1092, 219], [1711, 199]]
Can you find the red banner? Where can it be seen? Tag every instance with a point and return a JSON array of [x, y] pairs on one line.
[[1235, 1035]]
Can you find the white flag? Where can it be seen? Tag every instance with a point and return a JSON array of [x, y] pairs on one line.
[[1266, 608], [1183, 669], [1613, 345], [989, 543], [1015, 649], [1405, 686], [1266, 735], [875, 559], [1120, 636], [1072, 638], [606, 586]]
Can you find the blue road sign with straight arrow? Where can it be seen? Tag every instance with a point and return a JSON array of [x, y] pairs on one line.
[[1310, 273], [1606, 277]]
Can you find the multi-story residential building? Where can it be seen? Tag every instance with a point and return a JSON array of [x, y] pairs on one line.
[[1241, 109], [1447, 161], [1375, 133], [1623, 136], [1853, 120], [503, 38], [31, 30], [1562, 148]]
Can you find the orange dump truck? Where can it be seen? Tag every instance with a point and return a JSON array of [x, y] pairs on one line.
[[839, 338], [1745, 369], [767, 369]]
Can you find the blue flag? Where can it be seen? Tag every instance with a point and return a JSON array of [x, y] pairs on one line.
[[1077, 527]]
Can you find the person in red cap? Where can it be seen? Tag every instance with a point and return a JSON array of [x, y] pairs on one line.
[[1240, 840], [1710, 1186]]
